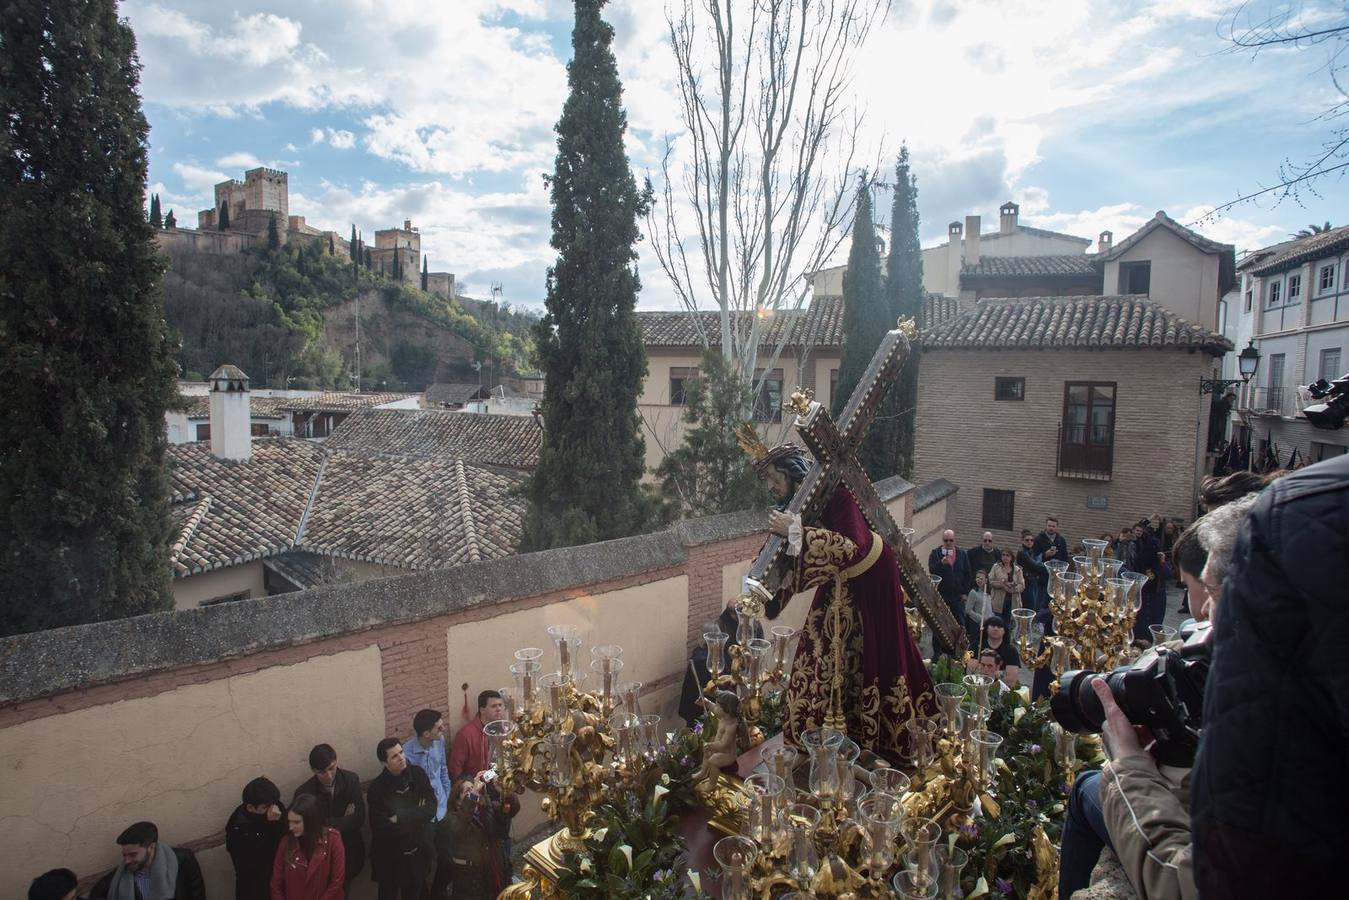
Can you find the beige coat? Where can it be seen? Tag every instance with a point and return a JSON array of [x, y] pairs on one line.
[[1147, 815], [1004, 584]]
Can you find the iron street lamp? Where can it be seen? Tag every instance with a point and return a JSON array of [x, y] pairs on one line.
[[1248, 361]]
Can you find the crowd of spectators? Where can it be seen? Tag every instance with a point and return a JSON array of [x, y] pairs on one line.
[[438, 827]]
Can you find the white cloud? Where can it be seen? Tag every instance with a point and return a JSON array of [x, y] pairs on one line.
[[199, 181], [341, 139], [239, 161], [316, 136]]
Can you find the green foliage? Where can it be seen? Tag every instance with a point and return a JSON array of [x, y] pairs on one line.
[[904, 294], [156, 220], [170, 221], [709, 473], [224, 221], [86, 359], [866, 319], [273, 235], [586, 485], [643, 825], [413, 363], [424, 272]]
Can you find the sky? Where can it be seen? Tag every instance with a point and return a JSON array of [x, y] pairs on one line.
[[1091, 115]]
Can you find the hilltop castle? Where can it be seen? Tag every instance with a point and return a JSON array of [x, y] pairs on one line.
[[246, 209]]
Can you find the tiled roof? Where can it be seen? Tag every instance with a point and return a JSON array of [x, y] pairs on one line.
[[818, 325], [454, 392], [937, 308], [1072, 323], [1294, 253], [198, 406], [484, 438], [414, 514], [1075, 265], [1039, 232], [230, 513], [1162, 220], [294, 495], [339, 401]]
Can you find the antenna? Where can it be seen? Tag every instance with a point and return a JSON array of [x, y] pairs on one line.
[[497, 291]]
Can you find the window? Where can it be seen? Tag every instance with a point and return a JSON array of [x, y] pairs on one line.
[[1274, 288], [258, 429], [1330, 364], [1087, 435], [680, 376], [1327, 278], [1009, 388], [204, 432], [1135, 277], [1248, 299], [999, 509], [833, 385], [1321, 451], [1274, 389], [228, 598], [768, 402], [1294, 288]]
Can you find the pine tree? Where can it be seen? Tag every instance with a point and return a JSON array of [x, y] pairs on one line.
[[273, 235], [424, 273], [156, 220], [904, 296], [866, 319], [224, 216], [88, 362], [707, 474], [586, 485], [170, 221]]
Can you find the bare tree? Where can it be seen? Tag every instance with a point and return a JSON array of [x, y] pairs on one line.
[[1258, 27], [761, 182]]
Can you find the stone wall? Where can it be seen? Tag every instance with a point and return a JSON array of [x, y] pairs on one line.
[[204, 241], [167, 716]]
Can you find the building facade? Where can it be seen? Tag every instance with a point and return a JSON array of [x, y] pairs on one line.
[[1294, 305]]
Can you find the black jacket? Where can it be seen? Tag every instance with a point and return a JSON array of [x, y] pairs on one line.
[[1043, 542], [692, 690], [396, 845], [956, 580], [1035, 571], [346, 792], [251, 842], [190, 884], [1268, 795], [982, 559]]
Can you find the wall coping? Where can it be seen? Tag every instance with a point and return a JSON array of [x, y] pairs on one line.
[[44, 663]]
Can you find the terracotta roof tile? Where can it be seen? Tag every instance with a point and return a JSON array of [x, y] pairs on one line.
[[1289, 254], [938, 308], [454, 392], [818, 325], [484, 438], [1075, 265], [198, 406], [1162, 220], [1072, 323], [339, 401]]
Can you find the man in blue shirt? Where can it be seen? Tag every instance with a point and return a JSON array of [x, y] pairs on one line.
[[427, 752]]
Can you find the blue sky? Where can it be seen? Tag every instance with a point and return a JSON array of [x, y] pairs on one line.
[[1092, 115]]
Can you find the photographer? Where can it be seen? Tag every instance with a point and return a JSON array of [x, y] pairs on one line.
[[1267, 802]]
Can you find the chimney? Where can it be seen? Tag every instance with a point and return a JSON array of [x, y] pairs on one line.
[[1007, 217], [231, 418], [971, 240], [1105, 242], [954, 249]]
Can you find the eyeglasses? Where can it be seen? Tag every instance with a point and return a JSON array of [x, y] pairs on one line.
[[948, 540]]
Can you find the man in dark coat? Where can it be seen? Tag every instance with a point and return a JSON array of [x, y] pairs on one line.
[[984, 556], [254, 829], [1267, 801], [1049, 544], [338, 792], [1037, 576], [151, 871], [952, 565], [402, 805]]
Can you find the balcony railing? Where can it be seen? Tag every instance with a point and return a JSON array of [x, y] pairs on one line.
[[1079, 459], [1269, 401]]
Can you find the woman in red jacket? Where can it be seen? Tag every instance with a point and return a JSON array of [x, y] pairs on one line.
[[310, 862]]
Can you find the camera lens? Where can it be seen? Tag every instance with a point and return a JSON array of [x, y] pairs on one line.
[[1076, 706]]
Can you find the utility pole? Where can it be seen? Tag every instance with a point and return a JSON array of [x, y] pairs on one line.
[[358, 341]]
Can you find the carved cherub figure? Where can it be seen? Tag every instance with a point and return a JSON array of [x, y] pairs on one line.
[[723, 747]]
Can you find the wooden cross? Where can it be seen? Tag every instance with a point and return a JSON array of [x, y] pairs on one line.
[[834, 448]]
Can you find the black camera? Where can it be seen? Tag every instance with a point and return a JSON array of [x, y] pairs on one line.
[[1331, 412], [1163, 690]]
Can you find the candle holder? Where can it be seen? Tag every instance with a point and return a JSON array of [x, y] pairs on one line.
[[567, 642], [736, 855], [763, 820], [782, 639], [881, 815]]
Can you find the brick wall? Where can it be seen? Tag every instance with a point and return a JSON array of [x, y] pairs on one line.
[[978, 443]]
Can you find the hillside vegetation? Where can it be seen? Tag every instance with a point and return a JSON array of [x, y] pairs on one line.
[[288, 318]]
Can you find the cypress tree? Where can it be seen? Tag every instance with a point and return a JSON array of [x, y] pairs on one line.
[[866, 319], [224, 216], [170, 221], [273, 235], [397, 270], [586, 485], [87, 361], [367, 261], [424, 274], [904, 295], [156, 220], [332, 245]]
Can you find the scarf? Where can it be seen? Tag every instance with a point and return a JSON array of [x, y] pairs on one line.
[[163, 878]]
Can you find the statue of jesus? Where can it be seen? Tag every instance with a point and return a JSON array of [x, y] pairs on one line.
[[884, 680]]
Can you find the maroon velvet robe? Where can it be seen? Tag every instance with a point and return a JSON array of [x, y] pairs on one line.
[[885, 680]]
